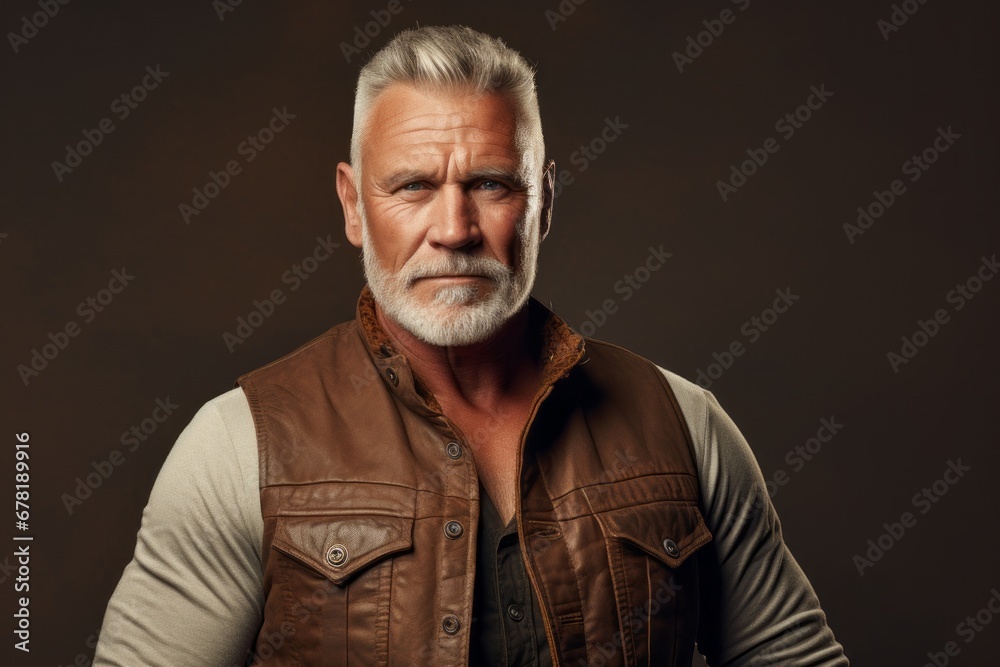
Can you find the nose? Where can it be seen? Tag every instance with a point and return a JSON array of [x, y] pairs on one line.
[[454, 220]]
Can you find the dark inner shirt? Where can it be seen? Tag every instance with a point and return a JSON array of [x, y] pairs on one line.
[[507, 627]]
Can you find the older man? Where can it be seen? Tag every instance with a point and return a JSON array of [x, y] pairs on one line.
[[456, 476]]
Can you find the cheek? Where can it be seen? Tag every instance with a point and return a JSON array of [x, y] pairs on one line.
[[395, 239], [500, 233]]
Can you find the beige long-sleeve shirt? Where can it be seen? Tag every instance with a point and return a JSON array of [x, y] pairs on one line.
[[192, 596]]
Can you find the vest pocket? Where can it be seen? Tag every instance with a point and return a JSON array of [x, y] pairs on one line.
[[333, 584], [338, 547], [655, 579]]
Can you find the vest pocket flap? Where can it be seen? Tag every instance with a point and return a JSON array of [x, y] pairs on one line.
[[669, 531], [338, 547]]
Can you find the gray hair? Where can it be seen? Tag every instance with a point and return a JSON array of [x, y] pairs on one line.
[[454, 58]]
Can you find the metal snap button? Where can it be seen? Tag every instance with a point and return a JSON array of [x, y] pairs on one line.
[[393, 377], [671, 548], [337, 555], [453, 529], [454, 450], [515, 612], [451, 624]]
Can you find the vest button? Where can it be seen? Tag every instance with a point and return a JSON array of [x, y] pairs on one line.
[[515, 612], [337, 555], [451, 624], [454, 451], [671, 548], [453, 529], [393, 377]]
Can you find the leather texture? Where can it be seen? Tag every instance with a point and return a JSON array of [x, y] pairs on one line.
[[357, 492]]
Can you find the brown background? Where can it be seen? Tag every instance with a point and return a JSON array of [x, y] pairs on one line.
[[655, 184]]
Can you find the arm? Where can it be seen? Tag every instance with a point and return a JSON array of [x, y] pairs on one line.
[[192, 594], [757, 606]]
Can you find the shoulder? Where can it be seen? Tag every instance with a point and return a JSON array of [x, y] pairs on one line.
[[695, 402], [218, 429], [228, 418], [713, 432], [698, 404], [211, 472]]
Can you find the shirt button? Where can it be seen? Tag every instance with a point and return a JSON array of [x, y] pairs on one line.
[[671, 548], [451, 625], [454, 450], [453, 529], [515, 612], [391, 374], [337, 555]]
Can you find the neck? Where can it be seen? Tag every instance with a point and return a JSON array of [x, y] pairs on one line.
[[482, 375]]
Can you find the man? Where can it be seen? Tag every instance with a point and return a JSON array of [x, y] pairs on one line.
[[456, 476]]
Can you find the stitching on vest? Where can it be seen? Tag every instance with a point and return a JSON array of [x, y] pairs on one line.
[[556, 499], [384, 600], [286, 610]]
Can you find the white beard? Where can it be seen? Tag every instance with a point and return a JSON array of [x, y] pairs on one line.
[[458, 314]]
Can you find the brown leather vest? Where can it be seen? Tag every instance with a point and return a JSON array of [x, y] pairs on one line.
[[370, 506]]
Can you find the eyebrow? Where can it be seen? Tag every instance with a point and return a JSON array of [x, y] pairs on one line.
[[496, 173], [401, 177]]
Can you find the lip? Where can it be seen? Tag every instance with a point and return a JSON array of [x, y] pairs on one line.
[[452, 277]]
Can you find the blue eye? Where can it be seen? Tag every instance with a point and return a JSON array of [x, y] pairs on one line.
[[491, 185], [412, 187]]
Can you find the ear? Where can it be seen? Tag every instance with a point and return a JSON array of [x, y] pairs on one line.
[[548, 197], [348, 193]]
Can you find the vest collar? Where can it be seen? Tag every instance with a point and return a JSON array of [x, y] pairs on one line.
[[561, 349]]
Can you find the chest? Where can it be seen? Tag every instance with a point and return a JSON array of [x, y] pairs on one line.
[[493, 440]]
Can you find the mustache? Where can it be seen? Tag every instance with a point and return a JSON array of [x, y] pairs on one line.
[[455, 265]]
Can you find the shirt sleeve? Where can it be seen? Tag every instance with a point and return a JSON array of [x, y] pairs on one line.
[[757, 606], [192, 594]]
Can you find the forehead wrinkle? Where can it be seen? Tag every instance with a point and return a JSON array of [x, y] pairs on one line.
[[388, 120], [468, 155], [446, 134], [459, 161]]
